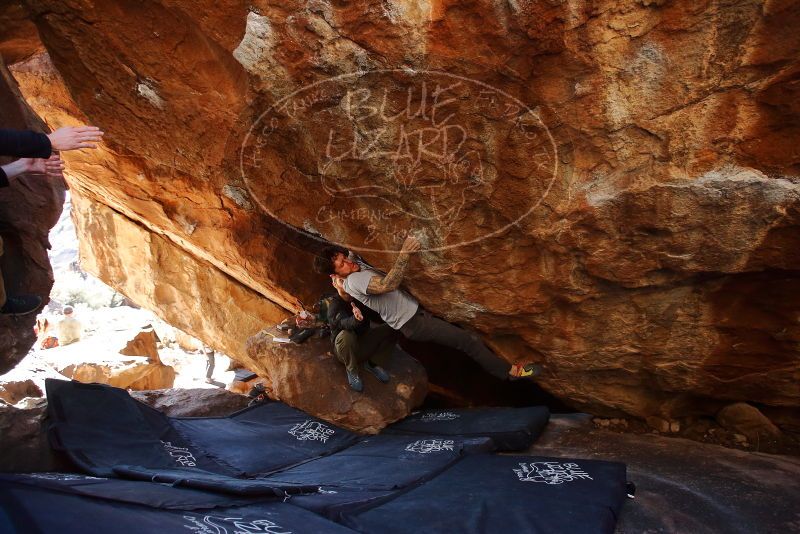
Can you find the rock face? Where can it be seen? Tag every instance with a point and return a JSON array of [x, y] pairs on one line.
[[187, 292], [310, 378], [612, 189], [13, 391], [744, 418], [23, 440], [193, 402]]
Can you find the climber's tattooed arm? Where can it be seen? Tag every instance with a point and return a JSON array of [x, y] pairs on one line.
[[390, 282]]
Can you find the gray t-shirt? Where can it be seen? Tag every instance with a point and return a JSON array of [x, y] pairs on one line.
[[395, 307]]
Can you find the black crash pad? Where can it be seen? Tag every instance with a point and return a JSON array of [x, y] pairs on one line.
[[334, 503], [163, 496], [488, 493], [28, 509], [107, 433], [263, 438], [99, 427], [378, 463], [511, 429], [204, 480], [270, 453]]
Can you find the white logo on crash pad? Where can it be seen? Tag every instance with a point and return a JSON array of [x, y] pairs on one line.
[[438, 416], [210, 524], [425, 446], [182, 456], [550, 472], [311, 431]]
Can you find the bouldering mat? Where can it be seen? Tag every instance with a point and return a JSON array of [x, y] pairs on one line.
[[489, 493], [28, 509], [511, 429]]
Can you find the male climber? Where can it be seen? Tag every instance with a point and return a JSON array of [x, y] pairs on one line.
[[382, 293]]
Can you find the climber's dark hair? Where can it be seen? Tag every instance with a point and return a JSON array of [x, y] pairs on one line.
[[323, 264]]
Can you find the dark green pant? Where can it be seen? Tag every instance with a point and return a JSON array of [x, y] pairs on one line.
[[375, 345], [425, 327]]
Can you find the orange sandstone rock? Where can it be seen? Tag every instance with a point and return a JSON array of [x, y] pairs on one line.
[[610, 189]]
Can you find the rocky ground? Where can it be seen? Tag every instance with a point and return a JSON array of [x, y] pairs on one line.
[[685, 486], [709, 431]]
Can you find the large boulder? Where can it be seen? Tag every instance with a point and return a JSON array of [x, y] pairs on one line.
[[27, 379], [609, 188], [13, 391], [126, 373], [310, 378], [749, 421], [144, 343], [125, 359], [198, 402]]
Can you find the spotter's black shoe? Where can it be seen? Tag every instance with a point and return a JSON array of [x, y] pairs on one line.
[[354, 380], [379, 372]]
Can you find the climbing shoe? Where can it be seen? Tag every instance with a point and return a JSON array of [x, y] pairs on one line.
[[527, 370], [354, 380], [21, 305], [379, 372]]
